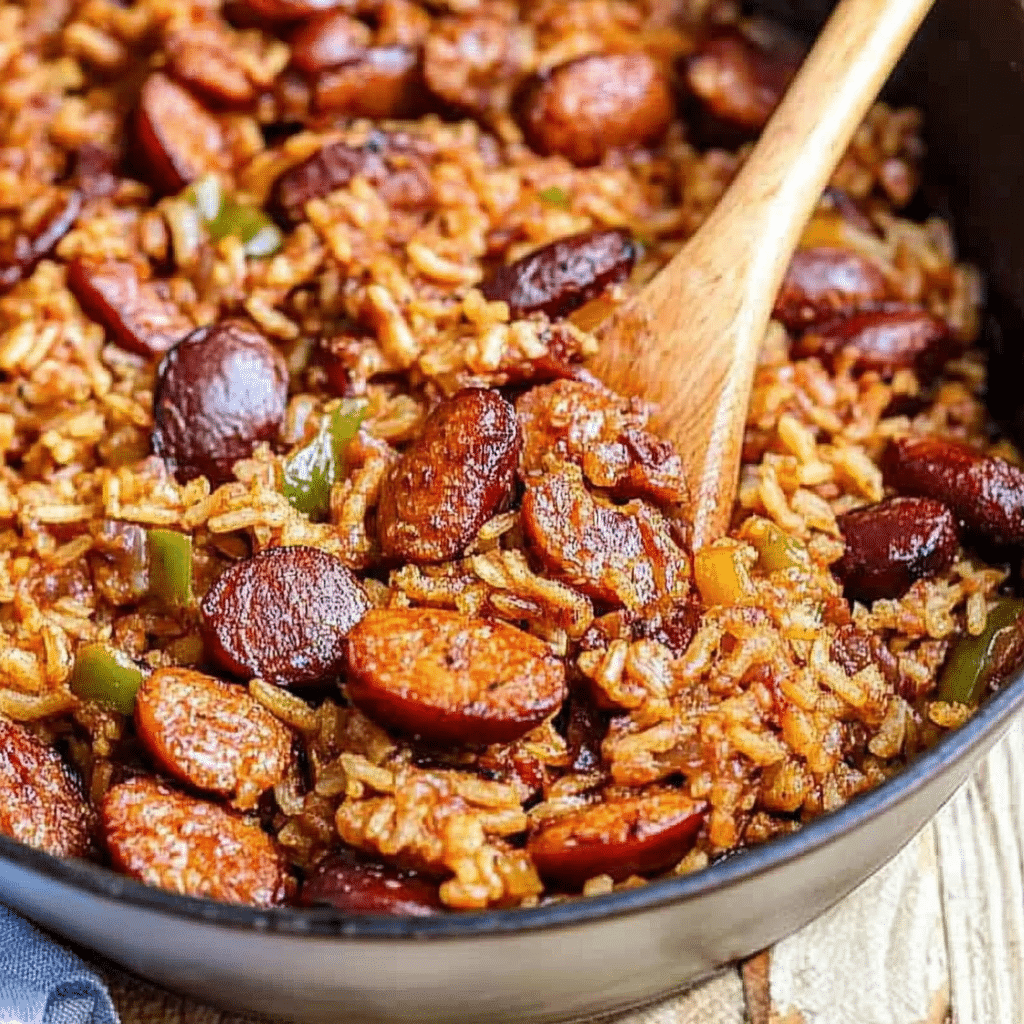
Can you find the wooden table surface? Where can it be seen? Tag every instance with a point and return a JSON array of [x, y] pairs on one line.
[[935, 937]]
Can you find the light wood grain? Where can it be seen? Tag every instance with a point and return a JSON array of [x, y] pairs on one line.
[[689, 341]]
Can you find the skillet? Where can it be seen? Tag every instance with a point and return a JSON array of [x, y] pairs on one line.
[[578, 959]]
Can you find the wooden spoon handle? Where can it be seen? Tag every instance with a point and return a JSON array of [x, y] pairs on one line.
[[689, 341]]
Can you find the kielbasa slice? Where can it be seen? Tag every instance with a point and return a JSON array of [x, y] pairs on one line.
[[449, 678], [452, 479], [283, 616]]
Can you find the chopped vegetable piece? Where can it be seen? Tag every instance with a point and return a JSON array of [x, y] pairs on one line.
[[776, 549], [223, 216], [722, 572], [105, 675], [553, 195], [976, 662], [170, 567], [311, 472]]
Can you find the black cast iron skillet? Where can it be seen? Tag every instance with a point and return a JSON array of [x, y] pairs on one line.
[[582, 958]]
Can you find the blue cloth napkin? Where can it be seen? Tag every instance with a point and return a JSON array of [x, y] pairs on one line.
[[40, 983]]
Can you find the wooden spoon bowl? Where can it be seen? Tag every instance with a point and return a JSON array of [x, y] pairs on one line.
[[689, 341]]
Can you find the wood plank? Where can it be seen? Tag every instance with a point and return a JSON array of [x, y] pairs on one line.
[[879, 957], [979, 840]]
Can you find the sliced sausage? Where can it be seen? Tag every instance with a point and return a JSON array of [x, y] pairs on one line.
[[219, 392], [738, 82], [283, 616], [177, 842], [448, 678], [204, 60], [605, 434], [639, 835], [381, 82], [355, 886], [41, 799], [138, 315], [985, 493], [590, 105], [883, 340], [475, 62], [211, 735], [391, 166], [328, 40], [22, 251], [821, 282], [452, 479], [561, 276], [179, 139], [892, 544], [619, 554]]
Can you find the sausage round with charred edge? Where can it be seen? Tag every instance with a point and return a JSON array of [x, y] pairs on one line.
[[634, 836], [41, 799], [457, 474], [560, 277], [283, 616], [211, 735], [219, 392], [355, 886], [619, 554], [449, 678], [138, 314], [985, 493], [822, 282], [590, 105], [882, 340], [894, 543], [179, 138], [177, 842]]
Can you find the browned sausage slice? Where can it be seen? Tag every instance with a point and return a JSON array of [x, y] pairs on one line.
[[561, 276], [984, 492], [449, 678], [633, 836], [219, 393], [328, 40], [457, 474], [738, 82], [605, 434], [283, 616], [883, 340], [623, 555], [354, 886], [180, 139], [386, 162], [475, 62], [381, 82], [203, 59], [590, 105], [189, 846], [894, 543], [138, 314], [821, 282], [211, 735], [41, 800]]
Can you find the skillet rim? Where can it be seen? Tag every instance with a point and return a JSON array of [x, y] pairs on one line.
[[966, 743]]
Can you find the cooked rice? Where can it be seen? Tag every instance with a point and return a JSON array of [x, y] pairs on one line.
[[756, 717]]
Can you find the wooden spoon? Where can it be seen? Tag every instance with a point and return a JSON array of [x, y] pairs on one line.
[[689, 341]]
